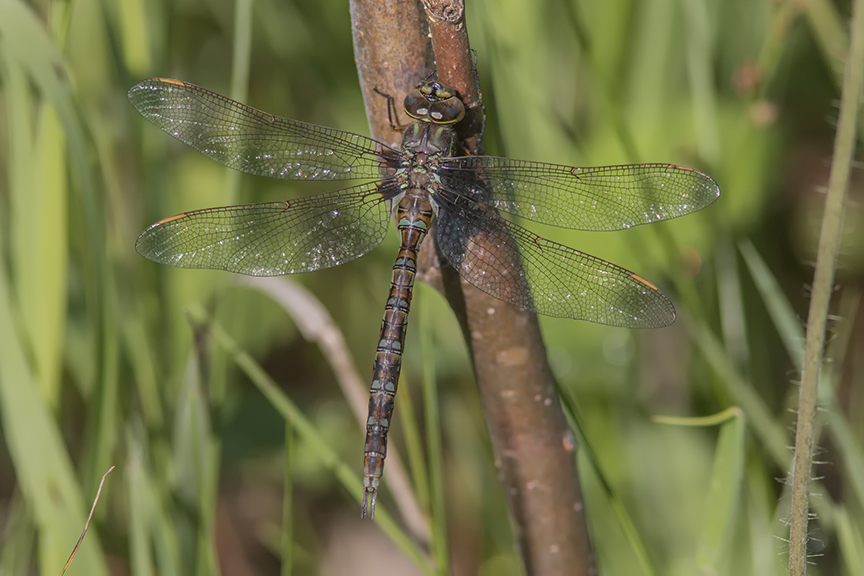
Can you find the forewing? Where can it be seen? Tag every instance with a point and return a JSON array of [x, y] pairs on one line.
[[520, 268], [600, 198], [255, 142], [272, 238]]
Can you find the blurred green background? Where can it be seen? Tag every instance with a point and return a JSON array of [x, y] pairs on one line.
[[100, 364]]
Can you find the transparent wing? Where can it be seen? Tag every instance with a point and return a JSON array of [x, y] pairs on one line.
[[255, 142], [273, 238], [601, 198], [520, 268]]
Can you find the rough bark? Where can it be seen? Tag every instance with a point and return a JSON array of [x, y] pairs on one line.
[[534, 449]]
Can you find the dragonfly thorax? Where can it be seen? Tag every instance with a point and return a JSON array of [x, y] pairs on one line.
[[434, 102], [424, 146]]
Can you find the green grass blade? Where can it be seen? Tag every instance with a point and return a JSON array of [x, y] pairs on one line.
[[39, 217], [42, 466], [132, 24], [151, 525], [409, 425], [619, 508], [287, 547], [25, 42], [788, 325], [140, 558], [18, 540], [195, 461], [701, 44], [440, 544], [851, 542], [770, 433], [733, 317], [345, 474], [724, 500]]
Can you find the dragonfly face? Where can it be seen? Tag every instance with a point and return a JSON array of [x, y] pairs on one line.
[[434, 102], [423, 178]]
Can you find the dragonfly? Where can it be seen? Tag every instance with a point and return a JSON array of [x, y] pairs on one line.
[[427, 178]]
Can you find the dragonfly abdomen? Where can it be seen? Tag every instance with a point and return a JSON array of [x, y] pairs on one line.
[[413, 216]]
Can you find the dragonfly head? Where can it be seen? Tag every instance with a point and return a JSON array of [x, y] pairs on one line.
[[434, 102]]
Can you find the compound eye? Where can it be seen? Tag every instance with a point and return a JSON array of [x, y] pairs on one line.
[[447, 111], [417, 105]]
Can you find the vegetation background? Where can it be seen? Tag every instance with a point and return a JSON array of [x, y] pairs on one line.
[[101, 363]]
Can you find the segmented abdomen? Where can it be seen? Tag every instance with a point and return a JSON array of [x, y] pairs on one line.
[[413, 216]]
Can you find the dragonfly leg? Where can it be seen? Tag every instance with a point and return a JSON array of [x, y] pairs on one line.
[[392, 117]]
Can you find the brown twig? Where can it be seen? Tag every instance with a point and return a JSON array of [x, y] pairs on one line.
[[454, 63], [534, 449], [393, 55]]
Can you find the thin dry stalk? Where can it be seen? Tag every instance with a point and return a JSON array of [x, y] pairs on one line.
[[823, 281]]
